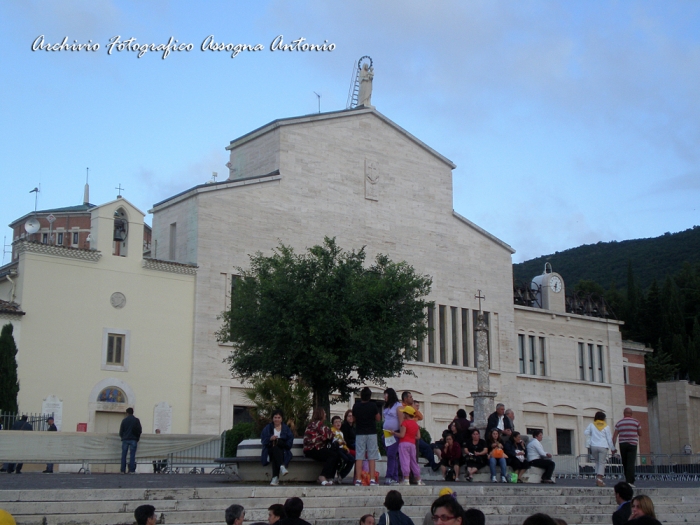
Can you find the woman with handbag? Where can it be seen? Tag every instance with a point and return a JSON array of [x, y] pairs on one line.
[[477, 452], [318, 445], [599, 440], [515, 450], [451, 457], [496, 455], [277, 440]]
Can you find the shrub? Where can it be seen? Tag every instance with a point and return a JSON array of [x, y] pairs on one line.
[[238, 433]]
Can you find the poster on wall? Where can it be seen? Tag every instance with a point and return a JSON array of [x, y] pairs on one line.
[[53, 405]]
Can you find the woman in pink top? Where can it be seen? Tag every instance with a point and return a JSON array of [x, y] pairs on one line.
[[408, 434]]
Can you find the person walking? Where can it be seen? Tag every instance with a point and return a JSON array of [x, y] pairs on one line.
[[599, 440], [628, 430], [52, 428], [130, 432]]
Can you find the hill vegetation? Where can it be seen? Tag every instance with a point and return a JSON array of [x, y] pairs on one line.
[[653, 285], [606, 262]]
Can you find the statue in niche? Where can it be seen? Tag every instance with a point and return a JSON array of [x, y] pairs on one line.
[[365, 96]]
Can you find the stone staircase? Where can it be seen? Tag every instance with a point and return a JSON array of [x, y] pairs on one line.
[[339, 505]]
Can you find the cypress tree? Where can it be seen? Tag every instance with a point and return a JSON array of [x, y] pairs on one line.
[[9, 384]]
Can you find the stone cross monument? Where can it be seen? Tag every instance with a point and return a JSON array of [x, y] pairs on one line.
[[483, 397]]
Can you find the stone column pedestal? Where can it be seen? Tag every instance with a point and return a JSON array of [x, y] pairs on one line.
[[483, 408]]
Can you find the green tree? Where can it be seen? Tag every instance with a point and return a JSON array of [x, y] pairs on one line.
[[9, 384], [659, 367], [293, 398], [322, 317]]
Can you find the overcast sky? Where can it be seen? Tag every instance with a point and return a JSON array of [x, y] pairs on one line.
[[569, 122]]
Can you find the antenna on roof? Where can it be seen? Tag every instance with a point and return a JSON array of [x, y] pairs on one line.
[[35, 191], [4, 249], [319, 101]]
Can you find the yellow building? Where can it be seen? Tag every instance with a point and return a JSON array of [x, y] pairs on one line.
[[102, 329]]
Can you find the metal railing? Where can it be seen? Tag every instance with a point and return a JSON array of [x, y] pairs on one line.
[[195, 460], [37, 420], [657, 467]]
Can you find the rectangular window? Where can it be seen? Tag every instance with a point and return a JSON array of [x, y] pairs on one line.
[[60, 238], [453, 311], [465, 337], [581, 362], [565, 442], [543, 358], [625, 375], [521, 352], [532, 356], [115, 349], [601, 371], [419, 350], [44, 238], [173, 241], [431, 334], [443, 334], [475, 317], [75, 238], [591, 363]]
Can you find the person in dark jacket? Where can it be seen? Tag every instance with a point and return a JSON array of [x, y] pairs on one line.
[[293, 508], [500, 421], [277, 440], [623, 496], [22, 424], [462, 425], [130, 432], [52, 428], [393, 503]]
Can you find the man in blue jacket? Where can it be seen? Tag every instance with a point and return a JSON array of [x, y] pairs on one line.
[[130, 432]]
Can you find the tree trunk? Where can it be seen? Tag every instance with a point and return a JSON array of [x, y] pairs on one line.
[[322, 399]]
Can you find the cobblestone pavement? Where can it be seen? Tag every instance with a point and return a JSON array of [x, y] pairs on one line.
[[39, 481]]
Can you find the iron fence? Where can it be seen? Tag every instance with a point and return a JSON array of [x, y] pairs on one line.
[[37, 420]]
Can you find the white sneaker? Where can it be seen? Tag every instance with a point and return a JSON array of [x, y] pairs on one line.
[[405, 482], [493, 479], [503, 479], [275, 481], [283, 471]]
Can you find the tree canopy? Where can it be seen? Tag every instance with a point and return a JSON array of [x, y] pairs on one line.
[[325, 318], [9, 385]]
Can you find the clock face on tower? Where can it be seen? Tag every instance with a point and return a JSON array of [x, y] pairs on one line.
[[555, 284]]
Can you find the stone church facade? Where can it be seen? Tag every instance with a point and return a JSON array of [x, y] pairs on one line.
[[359, 177]]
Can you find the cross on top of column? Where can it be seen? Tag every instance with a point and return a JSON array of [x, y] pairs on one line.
[[480, 297]]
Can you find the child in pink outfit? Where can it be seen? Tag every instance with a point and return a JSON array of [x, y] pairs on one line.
[[408, 434]]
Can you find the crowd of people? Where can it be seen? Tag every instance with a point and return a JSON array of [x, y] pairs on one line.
[[351, 442]]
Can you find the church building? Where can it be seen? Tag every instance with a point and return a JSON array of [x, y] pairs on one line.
[[359, 177]]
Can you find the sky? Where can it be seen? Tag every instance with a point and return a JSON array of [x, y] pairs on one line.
[[570, 122]]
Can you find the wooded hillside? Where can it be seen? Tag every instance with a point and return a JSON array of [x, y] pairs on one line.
[[606, 262]]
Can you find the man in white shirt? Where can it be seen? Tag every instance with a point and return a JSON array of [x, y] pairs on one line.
[[539, 458]]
